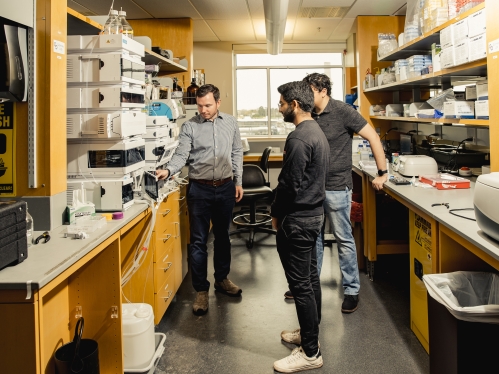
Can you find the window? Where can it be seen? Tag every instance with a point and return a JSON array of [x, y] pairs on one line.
[[257, 79]]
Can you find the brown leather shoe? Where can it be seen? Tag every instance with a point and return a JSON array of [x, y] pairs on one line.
[[228, 288], [200, 306]]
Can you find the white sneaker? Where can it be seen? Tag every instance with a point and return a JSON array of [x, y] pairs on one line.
[[298, 361], [292, 337]]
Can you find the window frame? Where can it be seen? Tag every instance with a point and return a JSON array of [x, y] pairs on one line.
[[267, 69]]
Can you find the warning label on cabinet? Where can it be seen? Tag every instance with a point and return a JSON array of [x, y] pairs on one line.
[[423, 232], [7, 149]]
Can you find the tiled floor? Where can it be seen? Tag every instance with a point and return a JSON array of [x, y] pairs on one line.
[[242, 336]]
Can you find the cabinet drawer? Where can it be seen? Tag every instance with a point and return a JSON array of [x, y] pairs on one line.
[[167, 209], [163, 298], [163, 267], [164, 240]]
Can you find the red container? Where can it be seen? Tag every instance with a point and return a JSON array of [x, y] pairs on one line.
[[444, 181]]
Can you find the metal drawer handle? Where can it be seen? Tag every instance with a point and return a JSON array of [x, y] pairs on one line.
[[166, 269], [167, 237], [169, 294], [164, 260], [166, 212]]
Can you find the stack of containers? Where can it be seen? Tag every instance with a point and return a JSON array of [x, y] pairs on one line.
[[417, 63], [412, 28], [105, 122], [457, 7], [401, 70], [432, 12]]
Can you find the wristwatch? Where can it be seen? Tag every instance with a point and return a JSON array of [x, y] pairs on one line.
[[382, 172]]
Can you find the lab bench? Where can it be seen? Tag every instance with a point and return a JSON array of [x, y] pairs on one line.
[[437, 241]]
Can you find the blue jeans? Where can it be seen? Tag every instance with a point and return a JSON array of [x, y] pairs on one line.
[[295, 241], [337, 208], [208, 203]]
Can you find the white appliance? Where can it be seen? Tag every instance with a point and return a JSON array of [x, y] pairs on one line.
[[153, 121], [414, 165], [118, 125], [105, 159], [159, 152], [108, 195], [104, 43], [157, 132], [486, 204], [103, 98]]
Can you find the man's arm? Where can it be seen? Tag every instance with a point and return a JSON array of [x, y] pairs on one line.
[[370, 134], [237, 163], [181, 154]]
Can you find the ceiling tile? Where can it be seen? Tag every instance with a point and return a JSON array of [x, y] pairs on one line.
[[373, 8], [100, 7], [256, 9], [307, 29], [202, 32], [222, 9], [232, 30], [169, 9], [259, 25], [342, 31], [326, 3]]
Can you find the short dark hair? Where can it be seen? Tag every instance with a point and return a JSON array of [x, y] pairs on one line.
[[206, 89], [299, 91], [319, 81]]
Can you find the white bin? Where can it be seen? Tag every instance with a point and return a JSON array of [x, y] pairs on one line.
[[138, 335]]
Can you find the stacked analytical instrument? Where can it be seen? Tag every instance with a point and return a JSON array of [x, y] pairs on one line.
[[105, 119]]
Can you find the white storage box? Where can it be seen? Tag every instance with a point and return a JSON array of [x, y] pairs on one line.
[[415, 107], [462, 52], [104, 69], [447, 58], [446, 37], [459, 31], [105, 159], [108, 195], [459, 109], [470, 93], [118, 125], [477, 24], [139, 343], [104, 98], [394, 110], [482, 109], [482, 90], [160, 339], [103, 43], [478, 47]]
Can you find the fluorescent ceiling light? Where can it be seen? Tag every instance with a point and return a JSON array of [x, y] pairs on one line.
[[276, 12]]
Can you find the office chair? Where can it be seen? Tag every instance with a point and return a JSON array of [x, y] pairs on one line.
[[264, 163], [255, 188]]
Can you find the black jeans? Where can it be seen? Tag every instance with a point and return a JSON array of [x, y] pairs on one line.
[[208, 203], [296, 246]]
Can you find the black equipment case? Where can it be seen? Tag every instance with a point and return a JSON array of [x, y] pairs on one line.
[[13, 241]]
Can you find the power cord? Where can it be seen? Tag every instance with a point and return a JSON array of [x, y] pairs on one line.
[[452, 163]]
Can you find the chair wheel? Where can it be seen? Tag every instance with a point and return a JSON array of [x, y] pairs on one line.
[[249, 244]]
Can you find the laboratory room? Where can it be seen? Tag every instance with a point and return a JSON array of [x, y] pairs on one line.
[[249, 186]]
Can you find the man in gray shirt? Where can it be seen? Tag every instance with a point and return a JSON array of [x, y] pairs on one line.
[[211, 143]]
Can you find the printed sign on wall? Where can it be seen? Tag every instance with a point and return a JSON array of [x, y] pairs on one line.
[[7, 153]]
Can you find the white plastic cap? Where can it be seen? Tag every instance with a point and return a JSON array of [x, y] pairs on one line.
[[113, 12], [143, 312], [122, 13]]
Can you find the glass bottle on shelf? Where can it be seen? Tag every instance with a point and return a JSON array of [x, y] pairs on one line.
[[29, 226], [191, 92], [177, 87], [114, 26], [127, 29]]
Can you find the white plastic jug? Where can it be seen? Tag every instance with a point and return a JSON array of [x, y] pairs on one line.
[[138, 335]]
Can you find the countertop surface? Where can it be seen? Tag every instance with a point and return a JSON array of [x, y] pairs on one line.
[[46, 261]]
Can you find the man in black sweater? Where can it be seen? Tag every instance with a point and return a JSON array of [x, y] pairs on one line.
[[297, 215]]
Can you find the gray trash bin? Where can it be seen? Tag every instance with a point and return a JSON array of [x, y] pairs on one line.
[[463, 319]]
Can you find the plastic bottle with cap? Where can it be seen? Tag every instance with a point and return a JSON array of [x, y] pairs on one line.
[[127, 29]]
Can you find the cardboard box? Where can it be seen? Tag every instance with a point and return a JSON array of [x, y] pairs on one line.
[[462, 52], [470, 92], [459, 109], [482, 90], [477, 24], [447, 58], [460, 31], [478, 47], [482, 109], [446, 37]]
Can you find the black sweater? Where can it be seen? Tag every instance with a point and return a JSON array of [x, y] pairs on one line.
[[302, 181]]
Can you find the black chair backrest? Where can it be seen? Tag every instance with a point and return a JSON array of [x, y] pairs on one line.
[[264, 162], [253, 176]]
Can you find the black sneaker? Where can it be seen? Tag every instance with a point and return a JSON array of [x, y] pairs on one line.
[[288, 295], [350, 303]]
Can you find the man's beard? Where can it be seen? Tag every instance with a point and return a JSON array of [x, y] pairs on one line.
[[289, 115]]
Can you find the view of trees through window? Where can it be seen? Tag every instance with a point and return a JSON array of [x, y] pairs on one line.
[[257, 79]]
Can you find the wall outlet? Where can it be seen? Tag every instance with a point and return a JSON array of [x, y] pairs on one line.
[[276, 150]]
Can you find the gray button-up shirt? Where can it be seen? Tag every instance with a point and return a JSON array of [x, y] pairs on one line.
[[213, 148]]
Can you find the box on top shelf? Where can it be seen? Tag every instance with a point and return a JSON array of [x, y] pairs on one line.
[[445, 181], [470, 93], [460, 31], [459, 109], [462, 52], [104, 68], [478, 47], [482, 90], [118, 125], [477, 23], [446, 37], [482, 109], [104, 43]]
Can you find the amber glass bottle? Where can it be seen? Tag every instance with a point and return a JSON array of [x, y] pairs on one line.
[[177, 89], [191, 92]]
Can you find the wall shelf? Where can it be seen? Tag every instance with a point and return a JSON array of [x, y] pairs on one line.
[[78, 24], [165, 66], [446, 76], [439, 121], [422, 44]]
